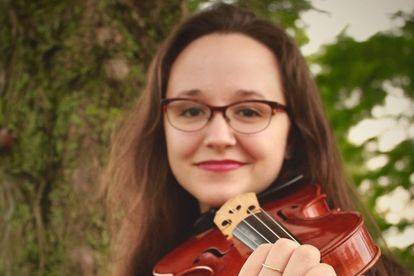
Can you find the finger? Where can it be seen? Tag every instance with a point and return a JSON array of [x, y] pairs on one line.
[[278, 257], [321, 269], [303, 259], [254, 263]]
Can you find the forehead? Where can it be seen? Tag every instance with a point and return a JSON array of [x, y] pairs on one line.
[[220, 65]]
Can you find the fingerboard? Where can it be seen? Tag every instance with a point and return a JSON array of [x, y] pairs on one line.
[[259, 229]]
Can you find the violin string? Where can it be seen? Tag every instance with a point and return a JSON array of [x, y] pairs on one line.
[[254, 215], [246, 236], [262, 222], [254, 229], [279, 225]]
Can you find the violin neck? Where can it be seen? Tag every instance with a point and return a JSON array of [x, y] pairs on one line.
[[261, 228]]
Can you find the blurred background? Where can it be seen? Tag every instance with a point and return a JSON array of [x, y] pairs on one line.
[[68, 69]]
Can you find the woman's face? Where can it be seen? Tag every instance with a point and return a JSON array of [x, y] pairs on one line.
[[218, 67]]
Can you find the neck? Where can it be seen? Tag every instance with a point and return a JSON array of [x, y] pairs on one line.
[[203, 207]]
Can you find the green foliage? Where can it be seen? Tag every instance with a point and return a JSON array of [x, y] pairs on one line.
[[67, 71], [377, 68]]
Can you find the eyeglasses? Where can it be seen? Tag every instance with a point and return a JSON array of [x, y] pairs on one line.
[[246, 117]]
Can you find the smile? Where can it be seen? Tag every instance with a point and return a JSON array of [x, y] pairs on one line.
[[219, 166]]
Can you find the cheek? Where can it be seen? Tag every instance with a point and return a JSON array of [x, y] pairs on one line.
[[180, 145], [268, 152], [266, 148]]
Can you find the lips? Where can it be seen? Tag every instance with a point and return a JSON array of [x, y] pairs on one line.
[[220, 165]]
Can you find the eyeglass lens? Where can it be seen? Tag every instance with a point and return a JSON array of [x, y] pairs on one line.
[[245, 117]]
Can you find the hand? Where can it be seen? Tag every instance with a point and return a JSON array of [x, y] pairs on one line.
[[286, 258]]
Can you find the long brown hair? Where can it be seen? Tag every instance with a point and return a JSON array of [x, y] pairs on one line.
[[151, 213]]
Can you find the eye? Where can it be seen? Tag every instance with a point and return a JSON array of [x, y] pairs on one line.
[[191, 112], [248, 112]]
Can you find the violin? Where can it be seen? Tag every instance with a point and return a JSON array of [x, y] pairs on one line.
[[242, 225]]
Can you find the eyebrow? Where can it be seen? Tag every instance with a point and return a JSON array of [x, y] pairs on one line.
[[239, 93]]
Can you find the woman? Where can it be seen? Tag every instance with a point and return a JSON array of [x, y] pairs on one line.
[[230, 107]]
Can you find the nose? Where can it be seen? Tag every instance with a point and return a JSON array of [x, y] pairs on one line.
[[218, 134]]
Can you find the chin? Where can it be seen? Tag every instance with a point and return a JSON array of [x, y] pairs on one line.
[[217, 199]]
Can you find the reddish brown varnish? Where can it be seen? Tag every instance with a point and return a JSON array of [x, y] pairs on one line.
[[340, 236]]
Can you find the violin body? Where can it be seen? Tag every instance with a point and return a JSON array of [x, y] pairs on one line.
[[341, 237]]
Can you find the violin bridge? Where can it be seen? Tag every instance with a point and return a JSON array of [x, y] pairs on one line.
[[234, 211]]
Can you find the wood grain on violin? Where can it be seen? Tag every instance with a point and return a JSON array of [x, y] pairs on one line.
[[243, 225]]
